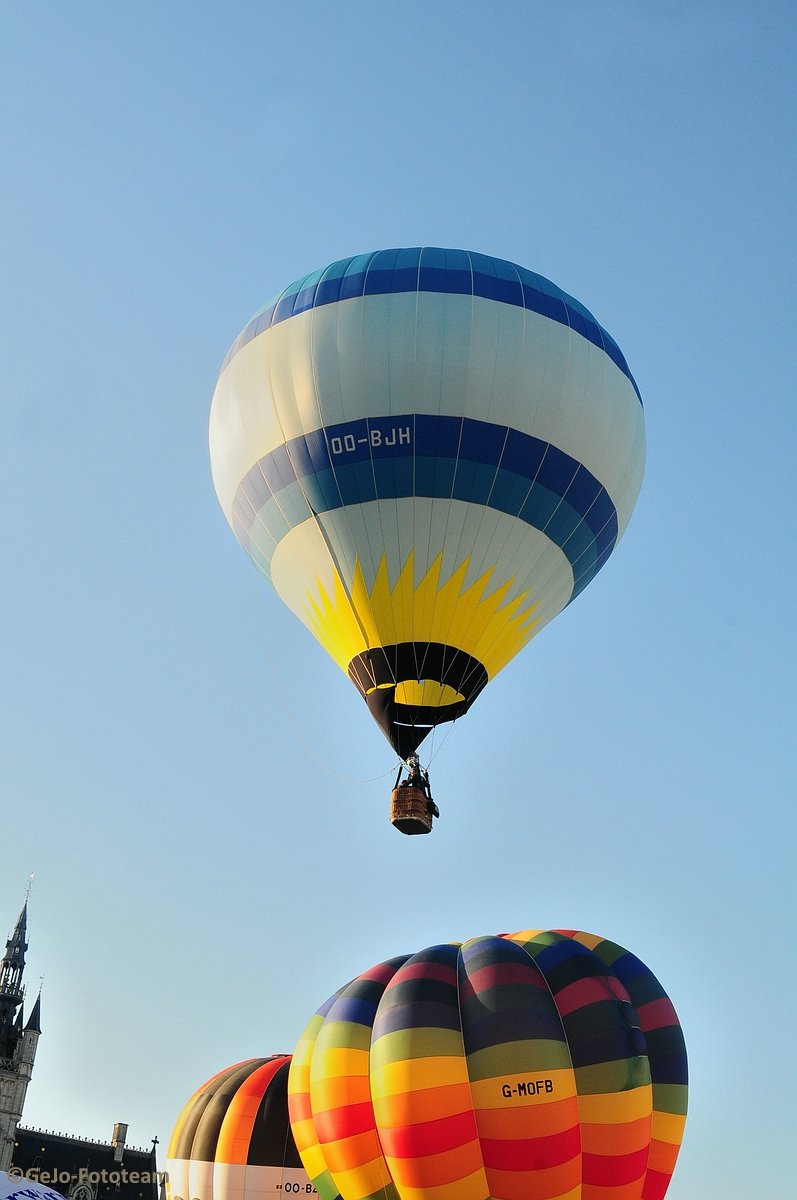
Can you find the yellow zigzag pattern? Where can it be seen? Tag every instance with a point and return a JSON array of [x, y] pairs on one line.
[[487, 627]]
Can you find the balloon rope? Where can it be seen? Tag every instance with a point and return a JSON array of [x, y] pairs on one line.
[[295, 729], [435, 750]]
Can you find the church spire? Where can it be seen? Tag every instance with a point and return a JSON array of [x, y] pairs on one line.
[[34, 1021], [18, 1041], [13, 963]]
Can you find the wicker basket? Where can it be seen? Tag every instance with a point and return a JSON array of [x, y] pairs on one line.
[[409, 810]]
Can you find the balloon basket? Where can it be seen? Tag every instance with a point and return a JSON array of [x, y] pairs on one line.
[[409, 810]]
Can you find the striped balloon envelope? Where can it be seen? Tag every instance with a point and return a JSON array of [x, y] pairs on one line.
[[531, 1066], [232, 1140], [429, 453]]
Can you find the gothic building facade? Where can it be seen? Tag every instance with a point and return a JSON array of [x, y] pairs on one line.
[[18, 1041], [76, 1167]]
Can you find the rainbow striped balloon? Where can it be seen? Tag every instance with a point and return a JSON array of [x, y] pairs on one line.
[[527, 1066], [232, 1140]]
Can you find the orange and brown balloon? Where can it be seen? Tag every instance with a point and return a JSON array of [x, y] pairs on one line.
[[232, 1140]]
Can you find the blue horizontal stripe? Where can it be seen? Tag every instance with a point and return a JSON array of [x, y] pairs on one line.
[[431, 269], [671, 1068], [417, 1013], [435, 457], [483, 1027], [354, 1009]]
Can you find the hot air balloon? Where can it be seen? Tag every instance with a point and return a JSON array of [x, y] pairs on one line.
[[429, 453], [531, 1066], [232, 1140]]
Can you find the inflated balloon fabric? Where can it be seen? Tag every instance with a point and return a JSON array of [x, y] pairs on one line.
[[531, 1066], [232, 1140], [429, 453]]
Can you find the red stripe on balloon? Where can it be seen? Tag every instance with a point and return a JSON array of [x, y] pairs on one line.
[[498, 974], [657, 1014], [581, 993], [610, 1170], [531, 1154], [381, 973], [423, 970], [656, 1184], [337, 1123], [618, 989], [431, 1137]]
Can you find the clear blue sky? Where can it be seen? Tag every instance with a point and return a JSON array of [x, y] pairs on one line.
[[178, 757]]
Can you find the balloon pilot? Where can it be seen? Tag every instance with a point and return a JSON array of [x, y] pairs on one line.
[[418, 777], [412, 808]]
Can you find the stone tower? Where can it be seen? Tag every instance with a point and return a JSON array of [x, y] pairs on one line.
[[17, 1041]]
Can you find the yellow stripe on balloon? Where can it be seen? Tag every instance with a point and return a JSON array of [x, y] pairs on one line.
[[426, 693], [338, 1060], [313, 1159], [612, 1107], [480, 622], [395, 1078], [590, 940], [668, 1127], [369, 1179], [332, 621]]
